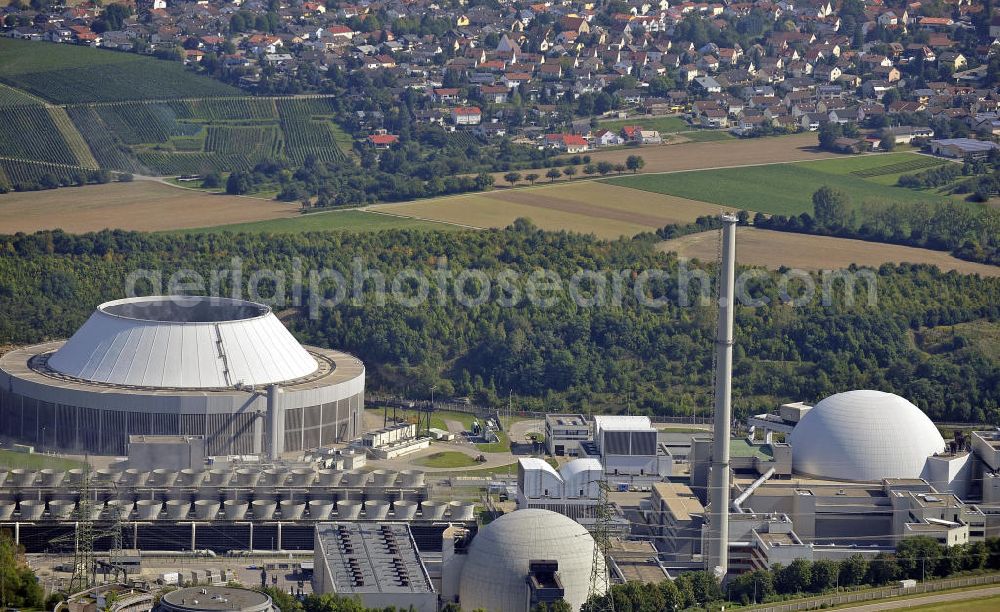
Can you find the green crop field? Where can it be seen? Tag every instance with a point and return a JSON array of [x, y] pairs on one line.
[[707, 135], [786, 188], [67, 74], [173, 163], [661, 124], [346, 220], [140, 123]]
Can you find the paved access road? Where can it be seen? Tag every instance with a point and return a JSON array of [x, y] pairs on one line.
[[913, 602]]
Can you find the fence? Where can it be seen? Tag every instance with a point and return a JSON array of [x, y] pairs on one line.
[[814, 603], [475, 409]]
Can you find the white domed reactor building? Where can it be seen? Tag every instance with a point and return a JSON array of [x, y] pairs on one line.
[[220, 368], [500, 558], [864, 436]]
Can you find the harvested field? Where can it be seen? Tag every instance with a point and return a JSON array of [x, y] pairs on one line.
[[141, 205], [774, 249], [581, 206]]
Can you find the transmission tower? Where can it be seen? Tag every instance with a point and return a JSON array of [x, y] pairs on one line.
[[600, 568], [84, 536], [84, 570]]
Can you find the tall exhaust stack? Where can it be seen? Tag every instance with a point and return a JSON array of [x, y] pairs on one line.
[[718, 547]]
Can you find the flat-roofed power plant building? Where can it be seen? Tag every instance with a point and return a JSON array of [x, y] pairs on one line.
[[564, 433], [376, 562], [627, 445]]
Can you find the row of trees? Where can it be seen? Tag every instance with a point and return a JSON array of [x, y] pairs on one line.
[[968, 231], [553, 355], [76, 178], [633, 163], [919, 558]]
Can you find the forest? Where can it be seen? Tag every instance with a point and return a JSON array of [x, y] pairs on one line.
[[560, 355]]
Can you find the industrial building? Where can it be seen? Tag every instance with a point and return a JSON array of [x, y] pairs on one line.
[[860, 471], [564, 433], [224, 369], [573, 490], [215, 599], [377, 563], [523, 558], [242, 508]]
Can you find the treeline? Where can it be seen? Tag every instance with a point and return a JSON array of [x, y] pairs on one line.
[[324, 184], [919, 558], [69, 178], [968, 231], [552, 356]]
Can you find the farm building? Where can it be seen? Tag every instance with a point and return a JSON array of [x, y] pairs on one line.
[[961, 148]]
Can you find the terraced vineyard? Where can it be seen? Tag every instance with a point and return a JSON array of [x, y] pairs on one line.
[[192, 163], [307, 137], [67, 74], [250, 141], [234, 109], [304, 108], [920, 163], [14, 173], [109, 150], [139, 123], [15, 97], [40, 134]]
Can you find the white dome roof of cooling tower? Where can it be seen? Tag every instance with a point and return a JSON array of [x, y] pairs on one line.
[[183, 342], [864, 436], [493, 577]]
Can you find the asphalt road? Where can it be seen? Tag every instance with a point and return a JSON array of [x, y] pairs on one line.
[[913, 602]]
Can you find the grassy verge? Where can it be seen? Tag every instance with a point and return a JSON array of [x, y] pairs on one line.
[[14, 460], [446, 459]]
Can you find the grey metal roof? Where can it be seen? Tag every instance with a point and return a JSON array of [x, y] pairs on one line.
[[372, 558], [192, 343]]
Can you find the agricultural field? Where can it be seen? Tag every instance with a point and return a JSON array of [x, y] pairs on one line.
[[773, 249], [787, 189], [141, 205], [582, 206], [42, 134], [14, 173], [15, 97], [204, 135], [334, 220], [254, 142], [108, 150], [663, 125], [67, 74]]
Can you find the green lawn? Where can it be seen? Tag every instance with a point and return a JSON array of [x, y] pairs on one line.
[[446, 459], [500, 446], [661, 124], [34, 461], [988, 604], [347, 220], [707, 135], [786, 188]]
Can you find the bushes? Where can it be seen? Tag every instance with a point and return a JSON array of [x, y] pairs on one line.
[[935, 177]]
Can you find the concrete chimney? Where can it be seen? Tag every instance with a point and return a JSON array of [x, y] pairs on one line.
[[718, 545]]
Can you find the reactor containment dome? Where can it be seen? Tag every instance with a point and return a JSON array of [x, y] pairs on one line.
[[864, 436], [221, 368], [495, 572]]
